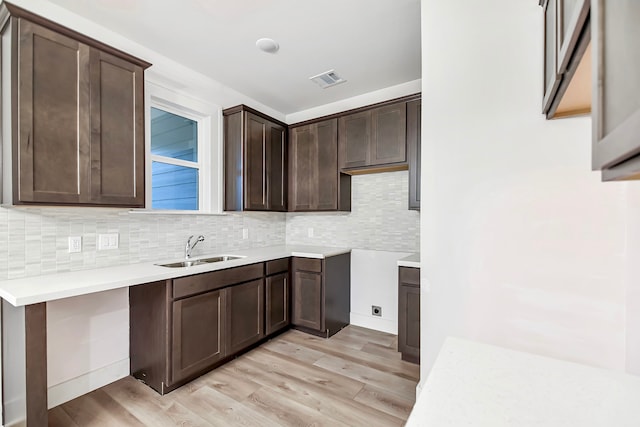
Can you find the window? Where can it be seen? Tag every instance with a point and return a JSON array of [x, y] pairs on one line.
[[183, 153], [174, 161]]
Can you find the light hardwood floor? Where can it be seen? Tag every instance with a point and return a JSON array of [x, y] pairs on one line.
[[355, 378]]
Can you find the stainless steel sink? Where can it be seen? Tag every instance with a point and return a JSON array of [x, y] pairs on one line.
[[191, 263]]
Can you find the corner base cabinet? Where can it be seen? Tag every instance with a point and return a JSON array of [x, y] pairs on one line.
[[321, 294], [409, 314]]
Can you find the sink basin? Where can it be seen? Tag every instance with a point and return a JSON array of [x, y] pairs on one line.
[[191, 263]]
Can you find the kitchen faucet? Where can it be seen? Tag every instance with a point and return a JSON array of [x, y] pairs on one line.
[[189, 247]]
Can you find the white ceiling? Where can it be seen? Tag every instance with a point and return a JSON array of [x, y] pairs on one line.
[[373, 44]]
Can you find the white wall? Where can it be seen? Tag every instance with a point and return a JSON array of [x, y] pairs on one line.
[[522, 245]]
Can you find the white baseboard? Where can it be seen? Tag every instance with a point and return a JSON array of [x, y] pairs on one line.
[[69, 390], [21, 423], [15, 408], [375, 323]]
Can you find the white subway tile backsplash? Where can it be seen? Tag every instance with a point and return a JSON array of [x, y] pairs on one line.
[[34, 240], [379, 218]]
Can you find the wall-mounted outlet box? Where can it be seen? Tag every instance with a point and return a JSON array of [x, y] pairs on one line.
[[376, 310], [75, 244]]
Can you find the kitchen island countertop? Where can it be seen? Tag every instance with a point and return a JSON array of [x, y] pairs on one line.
[[481, 385]]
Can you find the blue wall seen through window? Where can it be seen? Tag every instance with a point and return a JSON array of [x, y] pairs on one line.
[[175, 137]]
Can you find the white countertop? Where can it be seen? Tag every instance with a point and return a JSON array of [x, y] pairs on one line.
[[32, 290], [412, 260], [473, 384]]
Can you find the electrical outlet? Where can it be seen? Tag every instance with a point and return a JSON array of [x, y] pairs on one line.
[[245, 233], [75, 244], [376, 310], [310, 232], [108, 241]]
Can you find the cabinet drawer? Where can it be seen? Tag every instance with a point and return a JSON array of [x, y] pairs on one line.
[[308, 264], [277, 266], [409, 275], [191, 285]]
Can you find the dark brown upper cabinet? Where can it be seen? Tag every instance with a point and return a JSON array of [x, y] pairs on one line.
[[567, 58], [315, 183], [373, 137], [255, 167], [616, 96], [414, 114], [76, 117]]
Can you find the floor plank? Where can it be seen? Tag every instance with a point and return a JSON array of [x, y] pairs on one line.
[[354, 378]]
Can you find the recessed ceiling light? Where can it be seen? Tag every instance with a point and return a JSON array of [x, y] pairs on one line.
[[327, 79], [268, 45]]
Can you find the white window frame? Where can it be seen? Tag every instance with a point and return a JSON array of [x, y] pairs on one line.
[[209, 164]]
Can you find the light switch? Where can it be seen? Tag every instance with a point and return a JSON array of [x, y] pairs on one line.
[[108, 241]]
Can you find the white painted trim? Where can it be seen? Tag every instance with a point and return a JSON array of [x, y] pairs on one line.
[[209, 119], [69, 390], [16, 406], [21, 423], [375, 323]]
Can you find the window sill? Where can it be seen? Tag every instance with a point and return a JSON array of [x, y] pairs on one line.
[[172, 212]]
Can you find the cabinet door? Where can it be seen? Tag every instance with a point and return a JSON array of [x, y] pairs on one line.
[[572, 15], [414, 114], [409, 322], [53, 134], [314, 167], [277, 302], [388, 134], [245, 315], [277, 164], [354, 140], [117, 131], [302, 185], [198, 334], [551, 79], [616, 94], [256, 134], [326, 165], [307, 300]]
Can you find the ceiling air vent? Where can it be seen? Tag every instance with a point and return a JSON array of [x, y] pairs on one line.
[[327, 79]]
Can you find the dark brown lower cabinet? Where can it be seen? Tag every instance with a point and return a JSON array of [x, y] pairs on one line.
[[409, 314], [277, 291], [182, 328], [308, 301], [198, 333], [321, 294], [245, 315]]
